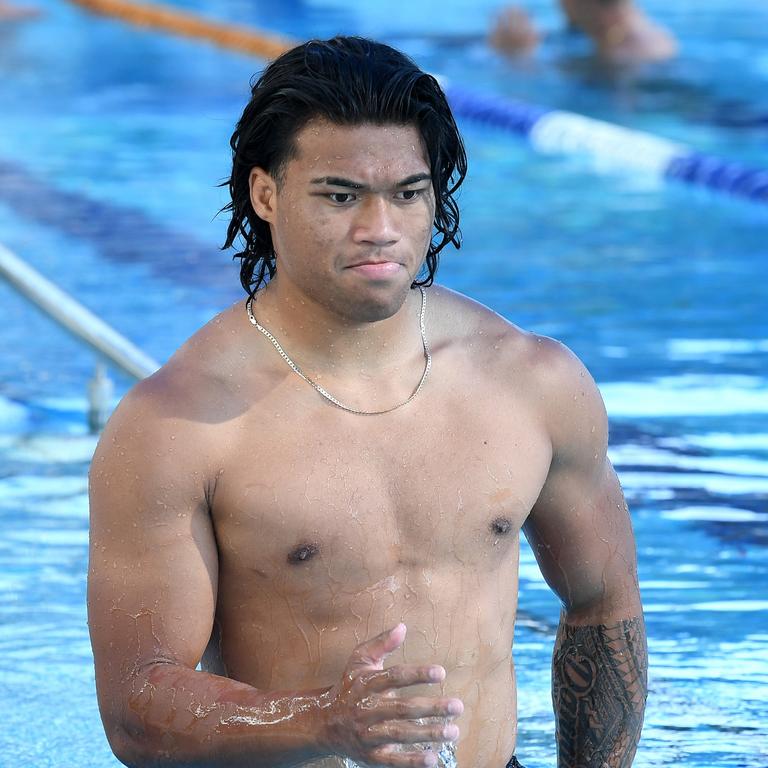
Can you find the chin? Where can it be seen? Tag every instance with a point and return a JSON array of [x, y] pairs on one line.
[[375, 306]]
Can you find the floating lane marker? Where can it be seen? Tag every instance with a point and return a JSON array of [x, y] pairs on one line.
[[169, 19], [548, 131], [612, 146], [552, 131]]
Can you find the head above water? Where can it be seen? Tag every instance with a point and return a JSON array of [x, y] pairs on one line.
[[347, 81]]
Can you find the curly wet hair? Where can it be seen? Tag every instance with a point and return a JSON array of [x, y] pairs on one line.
[[348, 81]]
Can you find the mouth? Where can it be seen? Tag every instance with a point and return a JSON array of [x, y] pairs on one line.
[[371, 268]]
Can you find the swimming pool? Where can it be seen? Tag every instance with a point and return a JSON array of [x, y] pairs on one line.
[[108, 167]]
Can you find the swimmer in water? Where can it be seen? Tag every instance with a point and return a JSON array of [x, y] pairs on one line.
[[9, 12], [621, 32], [305, 526]]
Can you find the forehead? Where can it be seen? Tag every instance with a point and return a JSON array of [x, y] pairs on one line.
[[366, 152]]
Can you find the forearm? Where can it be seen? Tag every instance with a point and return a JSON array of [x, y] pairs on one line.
[[599, 687], [175, 716]]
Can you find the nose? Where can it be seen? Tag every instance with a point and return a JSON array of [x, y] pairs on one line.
[[377, 223]]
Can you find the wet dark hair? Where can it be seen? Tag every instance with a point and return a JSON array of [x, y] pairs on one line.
[[347, 81]]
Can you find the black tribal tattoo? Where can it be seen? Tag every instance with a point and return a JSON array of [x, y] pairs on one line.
[[599, 687]]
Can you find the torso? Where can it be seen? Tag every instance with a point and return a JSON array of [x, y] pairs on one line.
[[332, 527]]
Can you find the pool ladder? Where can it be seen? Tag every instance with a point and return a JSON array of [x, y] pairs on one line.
[[86, 328]]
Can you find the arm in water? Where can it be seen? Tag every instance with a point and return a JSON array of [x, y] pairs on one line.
[[152, 593], [581, 534], [622, 33]]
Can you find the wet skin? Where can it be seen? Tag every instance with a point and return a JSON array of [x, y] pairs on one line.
[[238, 515]]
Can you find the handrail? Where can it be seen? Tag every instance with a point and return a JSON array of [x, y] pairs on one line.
[[74, 317]]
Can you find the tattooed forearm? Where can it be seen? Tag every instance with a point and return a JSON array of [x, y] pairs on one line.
[[599, 686]]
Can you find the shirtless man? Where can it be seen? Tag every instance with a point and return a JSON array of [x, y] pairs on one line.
[[345, 570], [9, 12], [621, 32]]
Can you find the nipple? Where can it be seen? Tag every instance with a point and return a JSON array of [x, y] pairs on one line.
[[501, 525], [302, 553]]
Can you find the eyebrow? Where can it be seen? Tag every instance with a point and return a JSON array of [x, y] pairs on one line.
[[338, 181]]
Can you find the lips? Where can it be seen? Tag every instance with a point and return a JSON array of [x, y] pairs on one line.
[[372, 262], [376, 268]]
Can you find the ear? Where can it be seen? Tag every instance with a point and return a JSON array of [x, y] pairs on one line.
[[263, 194]]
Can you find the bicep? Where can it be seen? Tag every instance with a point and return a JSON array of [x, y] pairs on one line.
[[581, 535], [153, 560], [579, 527]]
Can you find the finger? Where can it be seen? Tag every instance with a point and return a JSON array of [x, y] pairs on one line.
[[402, 732], [373, 652], [416, 707], [393, 756], [401, 676]]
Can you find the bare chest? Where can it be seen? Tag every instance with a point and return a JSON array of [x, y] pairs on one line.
[[349, 498]]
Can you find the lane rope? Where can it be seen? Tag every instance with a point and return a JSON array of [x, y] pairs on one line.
[[185, 24], [551, 131], [548, 131]]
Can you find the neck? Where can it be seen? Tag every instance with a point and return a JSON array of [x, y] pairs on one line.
[[326, 342]]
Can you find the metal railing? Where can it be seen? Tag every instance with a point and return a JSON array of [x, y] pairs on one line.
[[85, 327]]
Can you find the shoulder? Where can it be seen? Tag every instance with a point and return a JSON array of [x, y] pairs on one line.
[[570, 405], [553, 380], [176, 411], [511, 351], [463, 324]]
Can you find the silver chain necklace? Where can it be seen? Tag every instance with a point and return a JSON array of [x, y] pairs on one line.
[[327, 395]]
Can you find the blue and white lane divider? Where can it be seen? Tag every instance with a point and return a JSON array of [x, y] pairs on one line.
[[556, 132]]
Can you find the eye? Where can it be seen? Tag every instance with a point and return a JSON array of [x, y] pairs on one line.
[[408, 195], [340, 198]]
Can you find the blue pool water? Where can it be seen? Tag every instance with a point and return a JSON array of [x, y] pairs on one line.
[[112, 141]]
